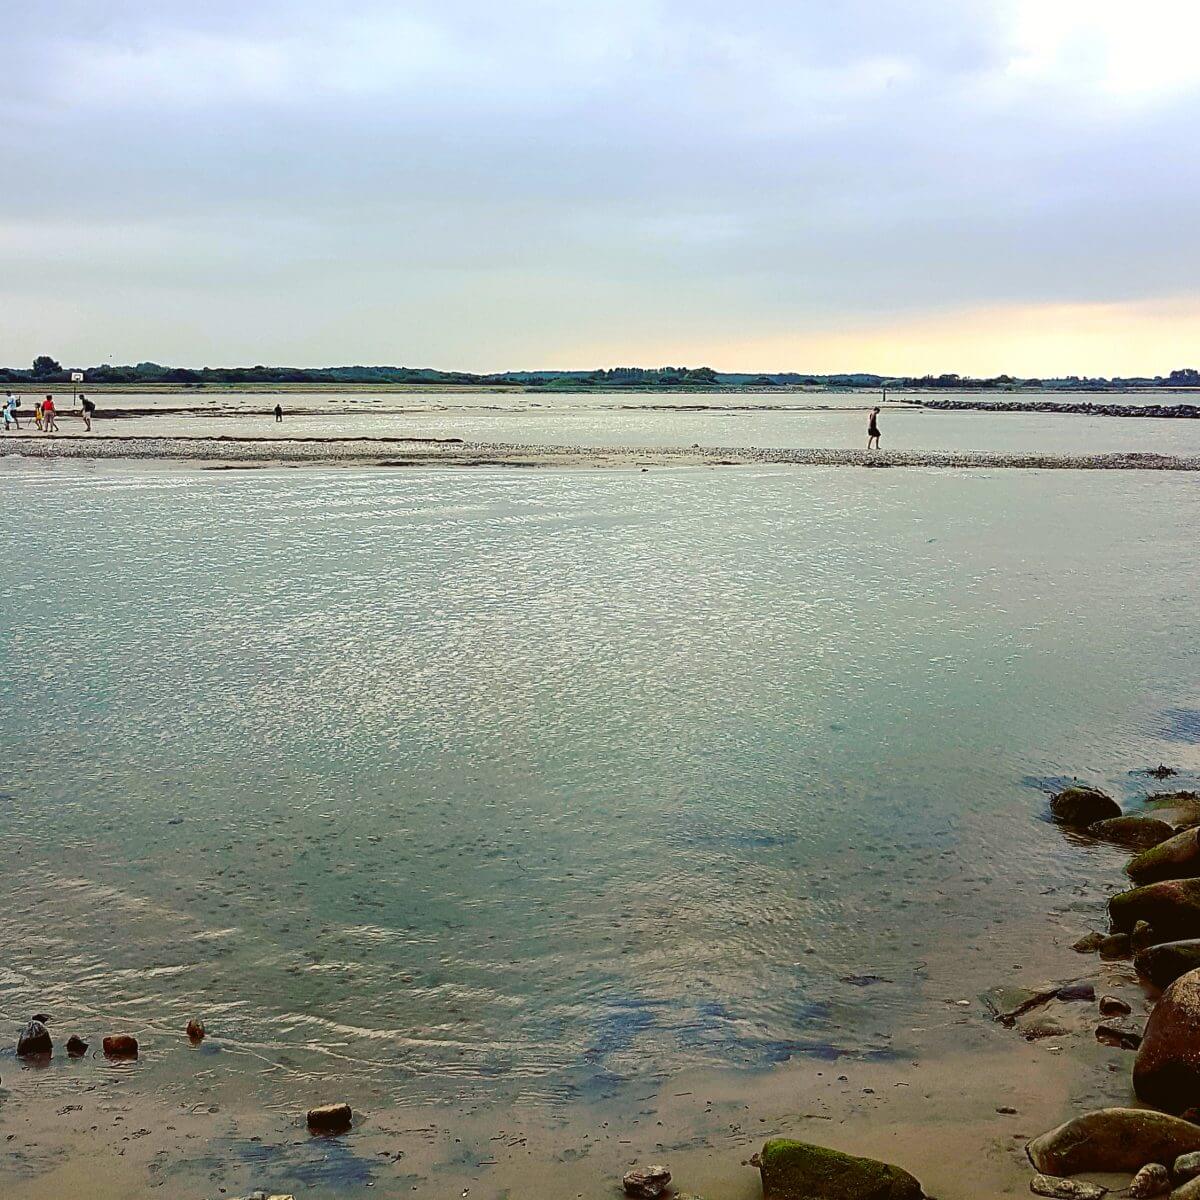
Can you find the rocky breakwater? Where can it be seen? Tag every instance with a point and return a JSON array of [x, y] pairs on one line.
[[1082, 408], [1158, 923]]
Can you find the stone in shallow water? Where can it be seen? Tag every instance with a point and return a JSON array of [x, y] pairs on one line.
[[1082, 806], [121, 1045], [196, 1030], [330, 1118], [1065, 1189], [1115, 1032], [801, 1171], [1135, 832], [1176, 858], [647, 1182], [34, 1039], [76, 1046], [1164, 963], [1172, 908]]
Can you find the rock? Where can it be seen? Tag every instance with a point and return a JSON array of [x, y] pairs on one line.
[[1080, 807], [1152, 1180], [1187, 1166], [1076, 991], [1176, 858], [1171, 907], [1112, 1139], [1089, 943], [43, 1017], [76, 1046], [1007, 1003], [801, 1171], [1167, 1071], [34, 1039], [1142, 936], [121, 1045], [1164, 963], [1115, 945], [1189, 1191], [1113, 1006], [1043, 1027], [647, 1182], [330, 1118], [1118, 1033], [196, 1030], [1065, 1189], [1135, 831], [1178, 808]]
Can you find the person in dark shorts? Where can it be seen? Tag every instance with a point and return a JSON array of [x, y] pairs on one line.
[[279, 412], [873, 429], [89, 411]]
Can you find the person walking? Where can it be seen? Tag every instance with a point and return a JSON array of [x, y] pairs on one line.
[[49, 424], [873, 429], [38, 419], [89, 411], [11, 404], [278, 413]]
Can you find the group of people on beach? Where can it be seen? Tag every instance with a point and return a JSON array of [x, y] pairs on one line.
[[45, 414]]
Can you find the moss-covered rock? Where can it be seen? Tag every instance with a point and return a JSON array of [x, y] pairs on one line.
[[1163, 964], [1083, 806], [1172, 908], [1135, 831], [802, 1171], [1176, 858], [1112, 1139]]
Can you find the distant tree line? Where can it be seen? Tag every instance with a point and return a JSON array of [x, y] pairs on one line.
[[46, 370]]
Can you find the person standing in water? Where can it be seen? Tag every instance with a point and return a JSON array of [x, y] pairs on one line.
[[278, 412], [873, 429], [89, 411], [49, 424]]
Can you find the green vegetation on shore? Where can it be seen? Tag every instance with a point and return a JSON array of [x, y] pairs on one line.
[[46, 371]]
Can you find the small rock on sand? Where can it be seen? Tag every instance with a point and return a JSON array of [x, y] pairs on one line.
[[1076, 991], [34, 1039], [1065, 1189], [1116, 1032], [1152, 1180], [330, 1118], [1187, 1166], [76, 1046], [196, 1030], [121, 1045], [648, 1182], [1089, 943], [1113, 1006], [1112, 1139]]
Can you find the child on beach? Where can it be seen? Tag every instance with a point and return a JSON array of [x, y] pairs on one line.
[[10, 411], [49, 425]]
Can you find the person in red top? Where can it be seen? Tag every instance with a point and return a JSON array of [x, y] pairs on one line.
[[48, 422]]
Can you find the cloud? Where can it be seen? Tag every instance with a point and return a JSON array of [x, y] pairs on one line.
[[639, 169]]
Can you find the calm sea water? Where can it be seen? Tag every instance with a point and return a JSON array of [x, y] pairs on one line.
[[478, 783]]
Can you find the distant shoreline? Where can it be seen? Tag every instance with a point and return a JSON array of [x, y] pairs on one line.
[[227, 452]]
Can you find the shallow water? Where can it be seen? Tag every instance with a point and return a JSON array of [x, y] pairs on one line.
[[830, 420], [483, 784]]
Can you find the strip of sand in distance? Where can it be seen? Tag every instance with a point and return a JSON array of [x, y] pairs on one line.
[[418, 452]]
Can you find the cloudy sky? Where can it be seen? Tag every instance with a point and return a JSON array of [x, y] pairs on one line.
[[812, 185]]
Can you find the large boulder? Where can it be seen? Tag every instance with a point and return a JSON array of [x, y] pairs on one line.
[[1082, 806], [34, 1039], [801, 1171], [1112, 1139], [1172, 908], [1164, 963], [1167, 1071], [1176, 858], [1135, 831]]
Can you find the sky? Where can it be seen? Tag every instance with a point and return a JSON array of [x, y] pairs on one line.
[[955, 186]]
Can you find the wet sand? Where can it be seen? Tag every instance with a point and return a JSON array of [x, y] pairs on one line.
[[422, 452]]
